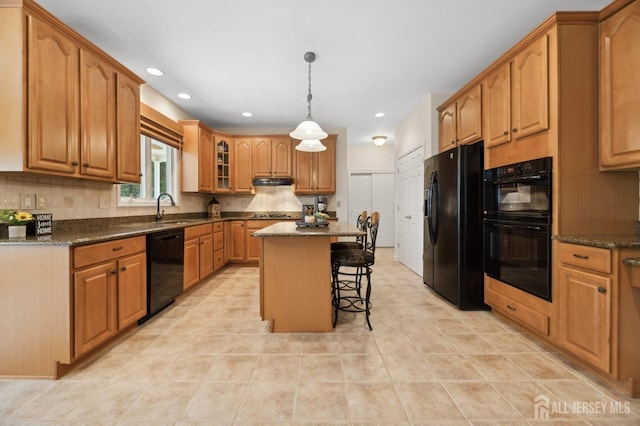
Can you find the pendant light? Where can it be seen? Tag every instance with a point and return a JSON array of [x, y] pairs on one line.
[[308, 131]]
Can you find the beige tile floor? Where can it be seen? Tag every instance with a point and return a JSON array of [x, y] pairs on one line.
[[209, 359]]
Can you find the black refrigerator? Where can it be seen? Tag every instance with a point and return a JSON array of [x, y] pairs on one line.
[[452, 257]]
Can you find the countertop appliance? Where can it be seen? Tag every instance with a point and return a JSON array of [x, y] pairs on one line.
[[517, 225], [452, 257], [165, 267]]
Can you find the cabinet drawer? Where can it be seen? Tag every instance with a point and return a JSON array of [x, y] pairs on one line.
[[197, 231], [218, 240], [100, 252], [523, 314], [218, 226], [218, 259], [594, 258]]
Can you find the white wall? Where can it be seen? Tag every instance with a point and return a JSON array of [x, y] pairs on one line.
[[370, 157]]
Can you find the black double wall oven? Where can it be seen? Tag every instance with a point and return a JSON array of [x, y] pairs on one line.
[[517, 225]]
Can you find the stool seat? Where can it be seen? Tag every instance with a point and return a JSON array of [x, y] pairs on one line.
[[352, 257], [345, 245]]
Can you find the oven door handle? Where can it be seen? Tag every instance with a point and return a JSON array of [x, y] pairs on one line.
[[530, 227], [518, 179]]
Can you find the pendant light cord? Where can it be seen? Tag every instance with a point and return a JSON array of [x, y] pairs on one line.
[[309, 97]]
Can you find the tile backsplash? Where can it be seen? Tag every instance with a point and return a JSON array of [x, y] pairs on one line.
[[67, 198]]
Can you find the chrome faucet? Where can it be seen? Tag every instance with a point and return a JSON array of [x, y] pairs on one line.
[[160, 215]]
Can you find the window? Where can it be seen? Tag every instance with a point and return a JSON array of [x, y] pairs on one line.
[[160, 143]]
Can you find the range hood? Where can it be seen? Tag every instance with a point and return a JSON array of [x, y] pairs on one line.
[[272, 181]]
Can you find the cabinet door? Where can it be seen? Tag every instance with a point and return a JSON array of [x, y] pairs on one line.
[[469, 116], [261, 157], [325, 168], [206, 255], [94, 306], [226, 252], [237, 240], [191, 262], [303, 168], [242, 167], [281, 162], [205, 161], [531, 89], [447, 127], [619, 88], [132, 289], [222, 177], [97, 117], [53, 99], [252, 244], [496, 106], [585, 316], [127, 130]]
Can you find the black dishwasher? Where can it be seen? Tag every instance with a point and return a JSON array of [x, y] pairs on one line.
[[165, 267]]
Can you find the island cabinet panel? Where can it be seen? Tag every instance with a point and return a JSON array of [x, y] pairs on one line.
[[619, 89]]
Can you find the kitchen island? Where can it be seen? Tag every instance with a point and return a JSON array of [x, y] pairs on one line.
[[295, 275]]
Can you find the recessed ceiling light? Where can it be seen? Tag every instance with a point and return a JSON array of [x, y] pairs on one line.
[[155, 71], [184, 96], [247, 114], [379, 114]]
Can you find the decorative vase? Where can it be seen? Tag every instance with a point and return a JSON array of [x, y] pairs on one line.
[[17, 231]]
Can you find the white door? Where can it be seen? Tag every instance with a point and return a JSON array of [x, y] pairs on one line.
[[382, 201], [373, 192], [359, 195], [410, 205]]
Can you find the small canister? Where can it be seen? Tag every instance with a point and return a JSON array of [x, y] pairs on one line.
[[214, 208]]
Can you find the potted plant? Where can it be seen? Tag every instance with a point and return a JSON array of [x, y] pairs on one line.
[[17, 222]]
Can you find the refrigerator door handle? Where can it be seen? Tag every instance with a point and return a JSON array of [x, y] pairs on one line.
[[431, 211]]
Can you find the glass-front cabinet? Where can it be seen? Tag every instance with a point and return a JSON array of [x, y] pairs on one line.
[[222, 157]]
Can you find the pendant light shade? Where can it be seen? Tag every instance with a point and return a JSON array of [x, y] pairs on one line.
[[309, 132], [310, 145]]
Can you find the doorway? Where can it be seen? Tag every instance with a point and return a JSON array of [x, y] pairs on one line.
[[410, 210], [373, 191]]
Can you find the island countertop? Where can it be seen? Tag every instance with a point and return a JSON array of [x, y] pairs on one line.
[[290, 229]]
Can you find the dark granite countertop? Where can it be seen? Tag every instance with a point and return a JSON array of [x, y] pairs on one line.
[[89, 231], [602, 241]]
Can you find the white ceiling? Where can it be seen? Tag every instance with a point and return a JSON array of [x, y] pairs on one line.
[[247, 55]]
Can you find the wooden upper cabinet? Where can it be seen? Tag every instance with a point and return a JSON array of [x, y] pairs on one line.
[[197, 157], [242, 166], [53, 99], [447, 127], [460, 121], [127, 129], [620, 89], [469, 116], [222, 174], [272, 157], [74, 117], [496, 106], [97, 117], [530, 107], [261, 157], [315, 172]]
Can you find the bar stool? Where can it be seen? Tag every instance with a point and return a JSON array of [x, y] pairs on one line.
[[361, 224], [348, 268]]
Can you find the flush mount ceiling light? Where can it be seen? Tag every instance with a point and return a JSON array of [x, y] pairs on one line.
[[247, 114], [184, 96], [379, 140], [309, 132], [379, 114], [155, 71]]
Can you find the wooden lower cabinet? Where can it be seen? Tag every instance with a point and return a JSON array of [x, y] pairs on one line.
[[252, 244], [198, 254], [236, 240], [109, 290], [218, 246]]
